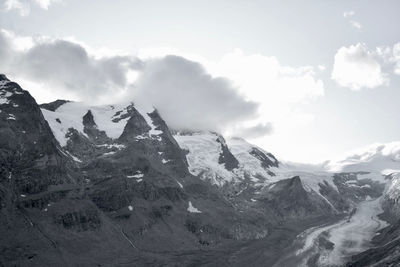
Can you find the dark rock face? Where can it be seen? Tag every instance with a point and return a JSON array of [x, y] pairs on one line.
[[226, 156], [359, 189], [290, 201], [39, 188], [53, 106], [267, 159], [90, 128], [31, 160], [87, 218]]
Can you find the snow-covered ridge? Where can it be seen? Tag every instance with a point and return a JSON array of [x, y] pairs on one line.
[[5, 94], [204, 150], [250, 164], [384, 158], [260, 171], [393, 188], [108, 118]]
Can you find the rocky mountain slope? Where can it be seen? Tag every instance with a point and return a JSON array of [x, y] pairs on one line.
[[114, 186]]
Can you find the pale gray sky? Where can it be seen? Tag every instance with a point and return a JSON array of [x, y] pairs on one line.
[[324, 75]]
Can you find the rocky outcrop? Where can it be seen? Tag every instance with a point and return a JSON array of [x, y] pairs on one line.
[[31, 160], [53, 106], [267, 159], [90, 128], [290, 201], [226, 157]]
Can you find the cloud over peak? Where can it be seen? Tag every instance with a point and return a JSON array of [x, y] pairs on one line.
[[258, 94], [184, 93], [190, 98]]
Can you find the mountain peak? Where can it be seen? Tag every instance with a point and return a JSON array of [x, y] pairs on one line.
[[3, 77], [53, 106]]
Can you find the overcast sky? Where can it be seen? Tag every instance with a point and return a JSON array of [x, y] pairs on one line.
[[305, 80]]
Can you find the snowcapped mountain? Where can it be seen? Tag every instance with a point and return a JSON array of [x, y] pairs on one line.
[[232, 161], [113, 184], [258, 169], [110, 119], [384, 158]]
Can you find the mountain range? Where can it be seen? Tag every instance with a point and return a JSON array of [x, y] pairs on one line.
[[113, 185]]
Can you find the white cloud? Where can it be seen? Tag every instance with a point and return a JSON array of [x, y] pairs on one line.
[[281, 90], [348, 13], [24, 6], [391, 56], [184, 93], [21, 6], [64, 66], [257, 93], [46, 3], [254, 131], [189, 98], [396, 58], [355, 24], [260, 77], [356, 67]]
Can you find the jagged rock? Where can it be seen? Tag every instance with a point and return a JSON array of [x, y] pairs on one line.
[[53, 106], [267, 160], [226, 157], [290, 201]]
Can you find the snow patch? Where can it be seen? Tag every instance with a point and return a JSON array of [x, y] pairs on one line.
[[71, 116], [203, 157], [4, 97], [192, 209], [11, 117], [3, 83], [164, 161], [145, 111], [73, 157], [4, 101], [180, 185], [110, 146], [393, 189], [137, 175]]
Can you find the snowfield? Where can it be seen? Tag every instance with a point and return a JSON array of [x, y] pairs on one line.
[[70, 115], [205, 150]]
